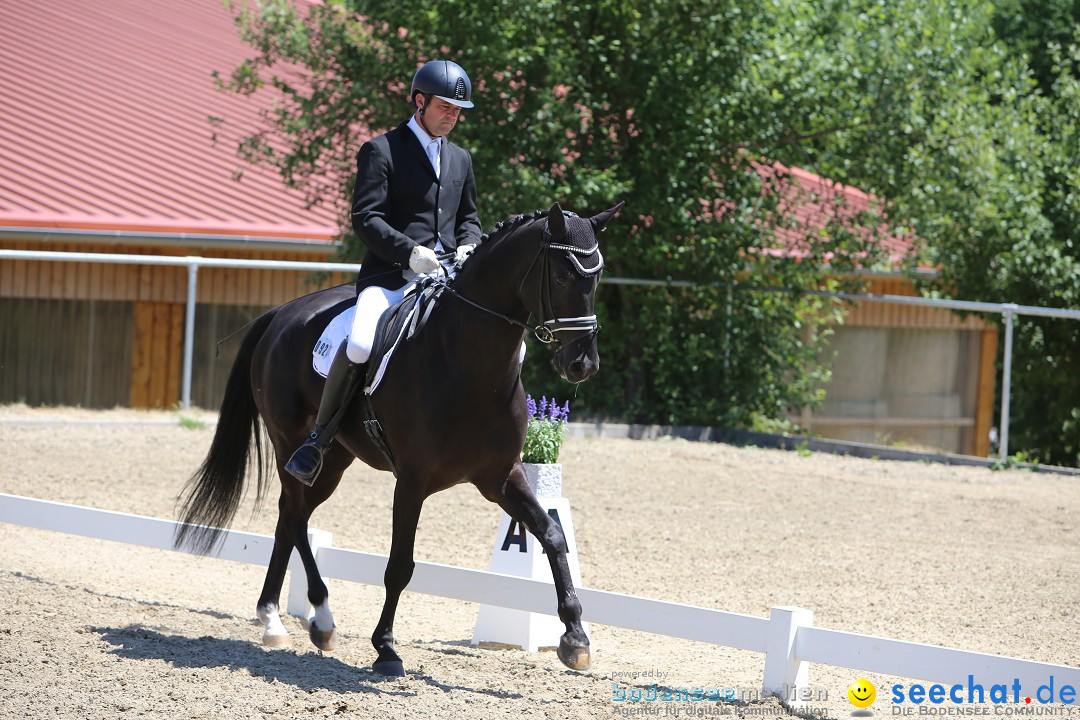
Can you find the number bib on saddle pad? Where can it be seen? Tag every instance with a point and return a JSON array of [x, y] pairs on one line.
[[334, 334], [400, 322]]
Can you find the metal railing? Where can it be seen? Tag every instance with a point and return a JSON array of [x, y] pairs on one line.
[[193, 263], [1008, 310]]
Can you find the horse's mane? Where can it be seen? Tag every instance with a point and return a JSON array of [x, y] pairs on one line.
[[507, 226], [491, 239]]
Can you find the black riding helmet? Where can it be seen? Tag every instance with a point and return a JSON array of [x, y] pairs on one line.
[[445, 80]]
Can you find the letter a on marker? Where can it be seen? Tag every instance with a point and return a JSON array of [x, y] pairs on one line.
[[558, 521], [515, 535]]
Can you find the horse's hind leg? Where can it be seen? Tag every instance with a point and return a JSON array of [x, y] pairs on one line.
[[268, 609], [517, 499], [294, 509]]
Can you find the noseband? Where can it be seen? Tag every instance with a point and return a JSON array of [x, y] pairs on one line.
[[547, 331]]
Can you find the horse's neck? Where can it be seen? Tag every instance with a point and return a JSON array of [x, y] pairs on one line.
[[490, 283]]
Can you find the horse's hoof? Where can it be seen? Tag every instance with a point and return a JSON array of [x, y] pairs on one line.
[[323, 639], [389, 668], [275, 640], [575, 657]]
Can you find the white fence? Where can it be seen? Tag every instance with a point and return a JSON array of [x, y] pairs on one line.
[[193, 263], [788, 638]]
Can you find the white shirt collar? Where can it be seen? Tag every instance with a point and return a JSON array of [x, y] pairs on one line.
[[421, 135]]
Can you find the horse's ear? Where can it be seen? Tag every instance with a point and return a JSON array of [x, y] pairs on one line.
[[599, 221], [556, 222]]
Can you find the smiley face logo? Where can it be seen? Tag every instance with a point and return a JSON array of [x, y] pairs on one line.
[[861, 693]]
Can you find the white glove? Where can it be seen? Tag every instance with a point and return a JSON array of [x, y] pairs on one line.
[[462, 254], [422, 260]]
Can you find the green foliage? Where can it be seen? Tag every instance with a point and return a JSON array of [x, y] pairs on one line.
[[963, 115], [191, 423], [543, 441], [1019, 459], [545, 432], [960, 116]]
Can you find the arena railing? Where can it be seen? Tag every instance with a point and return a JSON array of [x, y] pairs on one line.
[[787, 637]]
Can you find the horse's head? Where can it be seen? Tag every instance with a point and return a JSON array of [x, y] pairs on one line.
[[560, 290]]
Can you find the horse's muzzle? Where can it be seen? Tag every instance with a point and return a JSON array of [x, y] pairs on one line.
[[578, 359]]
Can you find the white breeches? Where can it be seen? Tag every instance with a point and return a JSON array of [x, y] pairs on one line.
[[370, 305]]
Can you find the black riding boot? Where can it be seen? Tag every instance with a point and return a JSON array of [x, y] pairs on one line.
[[342, 380]]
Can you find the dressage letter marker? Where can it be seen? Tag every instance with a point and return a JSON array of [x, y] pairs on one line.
[[515, 535], [517, 552]]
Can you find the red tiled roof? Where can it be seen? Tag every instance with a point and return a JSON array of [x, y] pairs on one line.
[[104, 109], [809, 202]]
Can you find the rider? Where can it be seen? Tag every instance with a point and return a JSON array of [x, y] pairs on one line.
[[415, 196]]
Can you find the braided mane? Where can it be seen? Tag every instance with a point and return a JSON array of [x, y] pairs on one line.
[[507, 226]]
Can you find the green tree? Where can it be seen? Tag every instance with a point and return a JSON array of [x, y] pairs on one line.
[[676, 107], [586, 103], [962, 115]]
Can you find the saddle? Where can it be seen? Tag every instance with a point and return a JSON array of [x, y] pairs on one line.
[[399, 323]]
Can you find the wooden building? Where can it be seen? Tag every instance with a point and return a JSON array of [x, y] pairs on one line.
[[112, 141], [107, 145], [916, 376]]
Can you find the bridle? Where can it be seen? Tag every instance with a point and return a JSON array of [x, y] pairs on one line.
[[547, 330]]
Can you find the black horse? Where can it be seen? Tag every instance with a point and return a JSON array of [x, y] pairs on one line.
[[451, 405]]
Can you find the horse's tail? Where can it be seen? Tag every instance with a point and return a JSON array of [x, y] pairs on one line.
[[212, 495]]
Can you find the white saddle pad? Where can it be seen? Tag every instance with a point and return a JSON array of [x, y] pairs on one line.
[[322, 356], [332, 337]]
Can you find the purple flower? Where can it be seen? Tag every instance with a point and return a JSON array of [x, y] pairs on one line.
[[547, 410], [556, 412]]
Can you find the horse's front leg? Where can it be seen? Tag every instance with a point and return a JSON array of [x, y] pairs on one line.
[[520, 503], [399, 570]]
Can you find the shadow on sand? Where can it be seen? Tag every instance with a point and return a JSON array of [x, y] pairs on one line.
[[305, 671]]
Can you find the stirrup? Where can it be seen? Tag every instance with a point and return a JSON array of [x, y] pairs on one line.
[[306, 462]]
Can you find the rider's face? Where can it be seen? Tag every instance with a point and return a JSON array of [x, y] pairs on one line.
[[440, 116]]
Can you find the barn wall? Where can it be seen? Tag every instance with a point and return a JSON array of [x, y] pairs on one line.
[[911, 376], [65, 352], [101, 335]]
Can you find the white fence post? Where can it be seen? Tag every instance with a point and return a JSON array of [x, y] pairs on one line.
[[189, 333], [786, 676], [1006, 381], [298, 604]]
